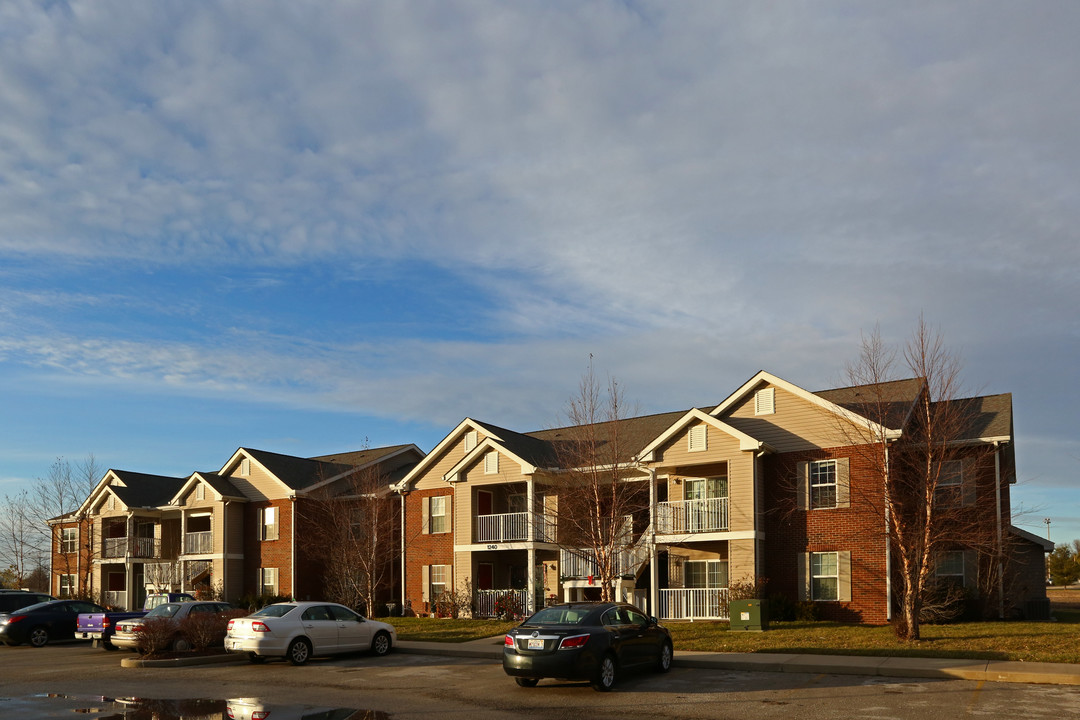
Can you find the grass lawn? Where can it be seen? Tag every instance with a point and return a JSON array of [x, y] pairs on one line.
[[1024, 641]]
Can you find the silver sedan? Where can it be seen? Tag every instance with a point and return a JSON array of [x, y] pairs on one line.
[[300, 630]]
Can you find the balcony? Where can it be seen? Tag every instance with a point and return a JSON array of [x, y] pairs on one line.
[[136, 547], [582, 564], [694, 604], [692, 516], [510, 527], [199, 543]]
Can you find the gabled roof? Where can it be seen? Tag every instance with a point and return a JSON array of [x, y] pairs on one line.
[[634, 433], [359, 458], [746, 442], [820, 399], [989, 418], [218, 483], [466, 425], [1046, 545], [135, 490], [294, 473]]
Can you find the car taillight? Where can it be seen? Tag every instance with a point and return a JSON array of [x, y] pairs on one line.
[[16, 618], [229, 629], [105, 622], [508, 641], [575, 641], [259, 626], [136, 628]]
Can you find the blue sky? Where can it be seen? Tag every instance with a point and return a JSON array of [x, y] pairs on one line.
[[305, 226]]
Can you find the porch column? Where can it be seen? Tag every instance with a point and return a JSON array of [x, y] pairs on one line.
[[654, 570], [530, 499], [129, 565]]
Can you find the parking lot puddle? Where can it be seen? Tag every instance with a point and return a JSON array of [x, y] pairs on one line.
[[47, 707]]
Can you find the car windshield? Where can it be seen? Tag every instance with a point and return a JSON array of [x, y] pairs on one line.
[[167, 610], [274, 611], [559, 616]]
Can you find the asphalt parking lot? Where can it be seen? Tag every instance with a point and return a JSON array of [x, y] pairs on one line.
[[413, 686]]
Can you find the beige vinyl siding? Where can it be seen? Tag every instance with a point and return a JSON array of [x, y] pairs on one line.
[[796, 425], [234, 526], [432, 478], [259, 485], [461, 521], [722, 447], [741, 560]]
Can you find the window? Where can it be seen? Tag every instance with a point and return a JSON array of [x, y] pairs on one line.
[[69, 540], [824, 576], [440, 575], [949, 565], [705, 573], [268, 524], [765, 401], [950, 483], [438, 520], [67, 586], [471, 439], [268, 581], [823, 484], [491, 463]]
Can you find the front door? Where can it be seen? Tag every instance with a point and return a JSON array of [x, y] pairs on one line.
[[485, 576], [483, 502]]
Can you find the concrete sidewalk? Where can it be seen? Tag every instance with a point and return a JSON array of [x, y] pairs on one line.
[[940, 668]]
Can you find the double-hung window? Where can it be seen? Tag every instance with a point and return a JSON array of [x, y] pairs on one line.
[[824, 576], [950, 484], [949, 565], [268, 523], [69, 540], [438, 519], [822, 484], [440, 575], [268, 581], [67, 586]]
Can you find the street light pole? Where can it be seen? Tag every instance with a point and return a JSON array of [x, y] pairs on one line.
[[1047, 521]]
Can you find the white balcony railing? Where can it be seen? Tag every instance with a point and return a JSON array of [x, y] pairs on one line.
[[692, 516], [582, 563], [488, 602], [694, 604], [199, 542], [139, 547], [508, 527]]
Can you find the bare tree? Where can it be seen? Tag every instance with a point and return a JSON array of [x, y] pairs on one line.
[[50, 507], [599, 495], [351, 528], [914, 453], [20, 539]]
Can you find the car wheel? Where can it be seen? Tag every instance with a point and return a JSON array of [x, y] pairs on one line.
[[606, 674], [663, 662], [527, 682], [39, 636], [181, 645], [299, 651], [257, 659], [380, 645]]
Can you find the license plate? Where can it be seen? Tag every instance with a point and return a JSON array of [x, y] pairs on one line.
[[536, 643]]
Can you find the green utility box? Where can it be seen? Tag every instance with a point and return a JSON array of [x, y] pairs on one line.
[[749, 614]]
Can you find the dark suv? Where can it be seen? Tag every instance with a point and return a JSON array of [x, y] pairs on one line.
[[12, 600]]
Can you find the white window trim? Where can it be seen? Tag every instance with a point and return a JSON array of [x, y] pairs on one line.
[[268, 530], [963, 565], [491, 462], [813, 577], [835, 484], [66, 590], [271, 573], [69, 545], [445, 514]]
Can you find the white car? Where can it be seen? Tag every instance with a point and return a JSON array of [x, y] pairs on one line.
[[126, 630], [299, 630]]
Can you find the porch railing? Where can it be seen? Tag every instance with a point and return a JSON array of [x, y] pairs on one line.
[[691, 516], [487, 602], [508, 527], [582, 563], [694, 604], [199, 542], [139, 547]]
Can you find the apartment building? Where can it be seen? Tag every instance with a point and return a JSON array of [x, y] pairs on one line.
[[773, 482]]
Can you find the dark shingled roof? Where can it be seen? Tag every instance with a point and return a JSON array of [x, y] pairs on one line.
[[145, 490], [987, 416], [897, 398], [296, 472], [357, 458], [221, 484], [634, 434]]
